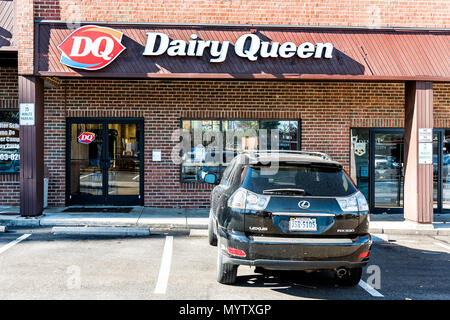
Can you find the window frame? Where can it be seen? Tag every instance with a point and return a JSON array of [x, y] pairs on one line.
[[299, 135]]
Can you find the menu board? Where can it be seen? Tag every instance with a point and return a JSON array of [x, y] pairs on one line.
[[9, 141]]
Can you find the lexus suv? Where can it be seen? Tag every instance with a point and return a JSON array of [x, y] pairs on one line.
[[288, 211]]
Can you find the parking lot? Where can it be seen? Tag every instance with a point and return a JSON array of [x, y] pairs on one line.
[[35, 264]]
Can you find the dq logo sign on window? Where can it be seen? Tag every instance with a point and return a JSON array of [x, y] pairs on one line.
[[91, 47], [86, 137]]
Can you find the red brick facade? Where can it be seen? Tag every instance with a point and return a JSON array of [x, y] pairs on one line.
[[327, 111], [405, 13], [377, 13]]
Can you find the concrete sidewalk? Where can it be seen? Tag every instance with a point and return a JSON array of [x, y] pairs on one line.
[[154, 218], [168, 218]]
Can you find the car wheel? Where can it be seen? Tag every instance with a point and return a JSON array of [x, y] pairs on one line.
[[351, 278], [212, 237], [226, 272]]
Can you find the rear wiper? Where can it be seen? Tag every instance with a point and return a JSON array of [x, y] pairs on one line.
[[289, 191]]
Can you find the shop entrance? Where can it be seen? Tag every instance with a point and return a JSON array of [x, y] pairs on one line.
[[377, 166], [387, 170], [104, 161]]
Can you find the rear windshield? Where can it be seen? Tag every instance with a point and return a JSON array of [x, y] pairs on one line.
[[308, 180]]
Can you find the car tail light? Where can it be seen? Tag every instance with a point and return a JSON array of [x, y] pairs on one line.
[[355, 202], [364, 254], [236, 252], [245, 199]]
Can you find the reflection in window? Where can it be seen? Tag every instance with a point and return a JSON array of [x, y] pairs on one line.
[[208, 146]]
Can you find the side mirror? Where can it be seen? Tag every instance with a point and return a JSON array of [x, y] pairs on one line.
[[210, 178]]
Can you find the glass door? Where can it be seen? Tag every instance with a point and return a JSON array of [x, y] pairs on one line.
[[123, 163], [387, 170], [441, 172], [86, 163], [445, 170], [104, 162]]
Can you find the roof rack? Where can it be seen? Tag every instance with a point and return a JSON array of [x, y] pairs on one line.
[[322, 155]]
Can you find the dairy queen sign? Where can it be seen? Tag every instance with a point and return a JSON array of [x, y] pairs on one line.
[[94, 47], [91, 47]]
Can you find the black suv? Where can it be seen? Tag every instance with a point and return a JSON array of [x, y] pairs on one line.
[[288, 211]]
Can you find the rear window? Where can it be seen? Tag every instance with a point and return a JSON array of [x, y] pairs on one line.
[[320, 181]]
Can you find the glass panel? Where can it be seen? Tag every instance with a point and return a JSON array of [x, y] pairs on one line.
[[208, 146], [240, 135], [311, 181], [359, 158], [389, 170], [203, 140], [85, 164], [445, 170], [123, 156], [287, 134], [435, 169]]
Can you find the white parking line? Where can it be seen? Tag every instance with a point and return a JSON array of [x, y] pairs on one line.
[[442, 245], [369, 289], [164, 269], [14, 242]]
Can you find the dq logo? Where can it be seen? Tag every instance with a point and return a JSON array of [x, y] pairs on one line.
[[91, 47], [86, 137]]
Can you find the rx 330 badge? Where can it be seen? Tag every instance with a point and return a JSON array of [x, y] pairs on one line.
[[91, 47]]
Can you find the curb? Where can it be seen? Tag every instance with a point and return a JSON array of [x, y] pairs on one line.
[[387, 227], [101, 231]]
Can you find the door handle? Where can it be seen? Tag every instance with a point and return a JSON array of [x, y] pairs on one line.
[[106, 164]]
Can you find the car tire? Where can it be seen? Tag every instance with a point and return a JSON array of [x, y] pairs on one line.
[[212, 237], [226, 272], [351, 278]]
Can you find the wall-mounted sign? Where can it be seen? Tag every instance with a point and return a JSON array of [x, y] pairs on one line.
[[86, 137], [9, 141], [27, 114], [425, 135], [248, 46], [156, 155], [91, 47], [425, 153]]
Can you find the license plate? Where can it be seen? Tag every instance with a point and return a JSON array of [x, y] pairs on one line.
[[302, 224]]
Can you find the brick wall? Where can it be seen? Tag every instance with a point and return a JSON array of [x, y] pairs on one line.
[[9, 183], [376, 13], [24, 35], [327, 111], [441, 105]]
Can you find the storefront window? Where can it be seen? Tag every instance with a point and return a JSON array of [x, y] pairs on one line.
[[288, 139], [209, 145], [202, 140], [9, 142]]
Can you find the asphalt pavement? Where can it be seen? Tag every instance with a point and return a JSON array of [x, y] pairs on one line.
[[179, 265]]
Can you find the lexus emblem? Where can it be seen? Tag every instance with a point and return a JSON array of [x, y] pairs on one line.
[[304, 204]]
